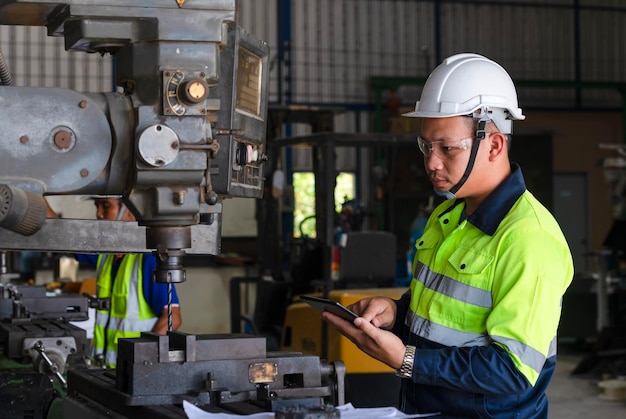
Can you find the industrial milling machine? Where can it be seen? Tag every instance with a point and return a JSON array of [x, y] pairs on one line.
[[184, 130]]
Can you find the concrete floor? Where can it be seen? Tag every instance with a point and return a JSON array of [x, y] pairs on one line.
[[573, 396]]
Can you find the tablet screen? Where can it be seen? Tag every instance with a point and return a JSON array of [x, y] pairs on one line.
[[323, 304]]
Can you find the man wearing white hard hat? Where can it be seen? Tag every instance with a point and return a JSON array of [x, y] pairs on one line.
[[475, 335]]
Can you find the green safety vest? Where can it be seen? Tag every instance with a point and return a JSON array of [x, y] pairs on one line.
[[129, 314], [471, 288]]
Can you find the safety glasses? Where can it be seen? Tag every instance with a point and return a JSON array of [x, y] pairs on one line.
[[443, 148]]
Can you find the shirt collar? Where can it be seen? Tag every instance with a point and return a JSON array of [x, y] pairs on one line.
[[492, 211]]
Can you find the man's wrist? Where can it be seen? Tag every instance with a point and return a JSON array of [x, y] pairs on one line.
[[406, 369]]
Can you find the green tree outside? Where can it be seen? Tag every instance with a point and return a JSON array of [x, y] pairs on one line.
[[304, 199]]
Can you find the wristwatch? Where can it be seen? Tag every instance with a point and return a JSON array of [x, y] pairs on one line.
[[406, 369]]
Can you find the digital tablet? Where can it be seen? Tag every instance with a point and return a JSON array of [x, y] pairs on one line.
[[323, 304]]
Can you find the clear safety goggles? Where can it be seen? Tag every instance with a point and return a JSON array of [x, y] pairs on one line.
[[443, 148]]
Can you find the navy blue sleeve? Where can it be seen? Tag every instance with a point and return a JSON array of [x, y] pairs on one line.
[[86, 258], [155, 293], [402, 305], [479, 369]]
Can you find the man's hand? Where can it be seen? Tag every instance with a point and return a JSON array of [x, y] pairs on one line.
[[377, 343], [380, 311], [160, 327]]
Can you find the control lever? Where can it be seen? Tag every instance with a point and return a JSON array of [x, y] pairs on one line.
[[52, 366]]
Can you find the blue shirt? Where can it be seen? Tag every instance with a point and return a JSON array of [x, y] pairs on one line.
[[155, 293]]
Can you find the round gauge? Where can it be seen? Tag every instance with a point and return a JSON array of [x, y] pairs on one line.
[[158, 145]]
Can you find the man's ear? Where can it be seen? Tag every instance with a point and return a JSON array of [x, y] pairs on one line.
[[497, 145]]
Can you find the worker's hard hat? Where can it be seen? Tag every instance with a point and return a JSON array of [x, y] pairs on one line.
[[88, 197], [470, 84]]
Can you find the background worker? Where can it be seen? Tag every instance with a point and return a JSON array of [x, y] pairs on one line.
[[475, 335], [138, 304]]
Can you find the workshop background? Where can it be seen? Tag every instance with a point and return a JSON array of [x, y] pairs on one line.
[[363, 62]]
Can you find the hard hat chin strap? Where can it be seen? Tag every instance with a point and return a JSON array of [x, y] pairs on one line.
[[444, 194], [478, 137], [121, 212]]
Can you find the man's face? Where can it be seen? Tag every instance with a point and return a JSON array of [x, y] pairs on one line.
[[448, 143], [107, 208]]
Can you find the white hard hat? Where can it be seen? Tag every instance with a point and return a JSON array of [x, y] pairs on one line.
[[88, 197], [470, 84]]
